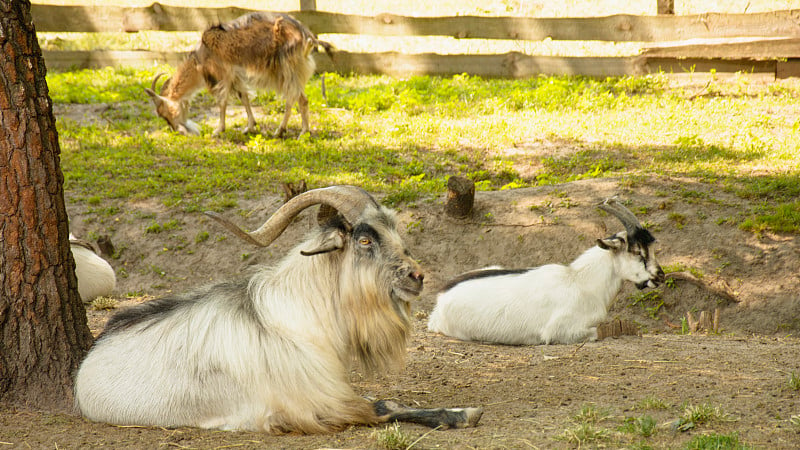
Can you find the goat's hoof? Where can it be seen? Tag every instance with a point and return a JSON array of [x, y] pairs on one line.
[[280, 133], [473, 415], [251, 129]]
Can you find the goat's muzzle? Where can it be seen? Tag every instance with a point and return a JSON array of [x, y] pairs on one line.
[[652, 282], [409, 286]]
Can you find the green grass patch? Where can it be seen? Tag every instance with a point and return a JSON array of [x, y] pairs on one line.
[[404, 137], [716, 442], [644, 426], [794, 381], [697, 415]]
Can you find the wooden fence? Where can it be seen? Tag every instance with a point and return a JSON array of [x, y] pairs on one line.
[[767, 43]]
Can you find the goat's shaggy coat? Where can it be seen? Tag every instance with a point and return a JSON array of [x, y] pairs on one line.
[[548, 304], [270, 352], [258, 50]]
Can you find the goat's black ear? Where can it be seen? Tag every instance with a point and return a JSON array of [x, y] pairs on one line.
[[330, 243]]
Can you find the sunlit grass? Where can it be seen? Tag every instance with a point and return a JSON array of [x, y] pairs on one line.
[[404, 137]]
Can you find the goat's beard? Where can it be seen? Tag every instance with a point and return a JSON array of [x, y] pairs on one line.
[[378, 325]]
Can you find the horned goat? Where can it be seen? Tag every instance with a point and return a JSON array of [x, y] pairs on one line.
[[260, 50], [552, 303], [95, 275], [271, 351]]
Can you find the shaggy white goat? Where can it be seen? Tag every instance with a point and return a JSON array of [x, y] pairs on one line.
[[271, 351], [552, 303], [260, 50], [95, 275]]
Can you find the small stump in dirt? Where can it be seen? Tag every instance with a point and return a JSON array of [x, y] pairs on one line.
[[460, 197], [291, 190]]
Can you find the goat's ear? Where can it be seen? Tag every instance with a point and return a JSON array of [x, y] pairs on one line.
[[156, 98], [333, 241], [612, 243]]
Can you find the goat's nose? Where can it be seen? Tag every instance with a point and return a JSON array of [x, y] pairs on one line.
[[417, 276]]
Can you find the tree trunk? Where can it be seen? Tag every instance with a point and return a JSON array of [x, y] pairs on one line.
[[43, 328]]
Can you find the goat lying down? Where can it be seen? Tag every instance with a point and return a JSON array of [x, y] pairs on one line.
[[95, 275], [259, 50], [272, 351], [552, 303]]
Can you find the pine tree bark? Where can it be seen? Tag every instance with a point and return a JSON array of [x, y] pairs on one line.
[[43, 328]]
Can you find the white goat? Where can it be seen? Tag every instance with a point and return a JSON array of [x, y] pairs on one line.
[[260, 50], [552, 303], [272, 351], [95, 275]]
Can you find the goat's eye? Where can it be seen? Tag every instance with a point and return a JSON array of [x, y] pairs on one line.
[[364, 241]]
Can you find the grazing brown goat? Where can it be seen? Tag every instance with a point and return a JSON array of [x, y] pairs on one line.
[[259, 50]]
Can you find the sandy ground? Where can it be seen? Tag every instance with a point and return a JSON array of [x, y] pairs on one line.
[[531, 394]]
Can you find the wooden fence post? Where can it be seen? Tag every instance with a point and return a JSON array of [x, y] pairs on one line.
[[666, 7]]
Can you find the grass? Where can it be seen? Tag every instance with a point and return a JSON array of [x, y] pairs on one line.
[[697, 415], [392, 437], [794, 381], [405, 137], [716, 442]]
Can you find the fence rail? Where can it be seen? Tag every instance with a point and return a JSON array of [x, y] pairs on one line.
[[771, 39]]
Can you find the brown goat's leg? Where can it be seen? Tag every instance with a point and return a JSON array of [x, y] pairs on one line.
[[302, 107], [285, 122], [223, 105], [252, 126], [444, 418]]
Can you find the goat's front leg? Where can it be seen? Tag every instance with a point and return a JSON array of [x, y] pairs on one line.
[[444, 418], [252, 126], [223, 105]]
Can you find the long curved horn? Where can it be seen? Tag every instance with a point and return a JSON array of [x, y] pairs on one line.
[[151, 91], [618, 210], [349, 201], [155, 80]]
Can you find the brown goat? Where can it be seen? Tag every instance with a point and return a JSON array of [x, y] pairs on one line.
[[260, 50]]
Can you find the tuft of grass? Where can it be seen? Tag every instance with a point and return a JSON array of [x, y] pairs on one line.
[[166, 226], [794, 381], [652, 402], [694, 416], [650, 301], [393, 438], [716, 442], [584, 434], [201, 236], [644, 426], [681, 267], [590, 413], [104, 303]]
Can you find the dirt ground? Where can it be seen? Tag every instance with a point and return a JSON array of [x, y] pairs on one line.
[[531, 394]]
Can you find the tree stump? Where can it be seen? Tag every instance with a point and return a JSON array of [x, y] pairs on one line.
[[460, 197], [290, 190]]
